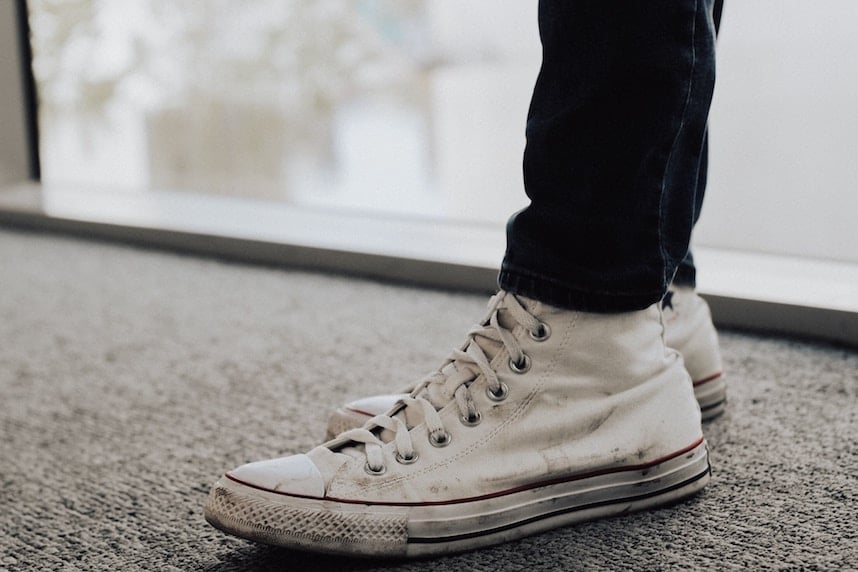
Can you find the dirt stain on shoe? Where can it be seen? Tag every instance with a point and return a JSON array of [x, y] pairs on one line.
[[598, 422]]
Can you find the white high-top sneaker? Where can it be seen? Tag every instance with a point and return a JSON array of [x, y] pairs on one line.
[[543, 418], [688, 329]]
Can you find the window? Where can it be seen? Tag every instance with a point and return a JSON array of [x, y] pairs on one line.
[[394, 128]]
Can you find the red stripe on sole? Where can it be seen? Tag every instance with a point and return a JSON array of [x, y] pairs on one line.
[[708, 379]]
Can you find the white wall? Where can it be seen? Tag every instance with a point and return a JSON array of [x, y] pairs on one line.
[[784, 126]]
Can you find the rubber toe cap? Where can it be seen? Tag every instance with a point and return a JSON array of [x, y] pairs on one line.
[[296, 475]]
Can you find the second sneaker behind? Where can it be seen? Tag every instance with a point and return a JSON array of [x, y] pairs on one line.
[[688, 329]]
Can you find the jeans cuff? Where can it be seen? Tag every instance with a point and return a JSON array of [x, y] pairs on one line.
[[686, 275], [560, 295]]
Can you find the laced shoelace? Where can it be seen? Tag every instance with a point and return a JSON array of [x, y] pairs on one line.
[[452, 380]]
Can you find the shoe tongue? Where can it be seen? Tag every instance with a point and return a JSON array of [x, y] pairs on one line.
[[328, 461], [439, 394], [353, 451], [506, 321]]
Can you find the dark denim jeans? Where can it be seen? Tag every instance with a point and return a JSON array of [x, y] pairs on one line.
[[615, 161]]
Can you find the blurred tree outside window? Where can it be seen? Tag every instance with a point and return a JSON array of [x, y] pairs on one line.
[[242, 98]]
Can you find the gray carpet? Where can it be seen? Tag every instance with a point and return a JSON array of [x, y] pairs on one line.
[[131, 379]]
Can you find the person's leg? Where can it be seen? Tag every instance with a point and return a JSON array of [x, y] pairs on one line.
[[688, 323], [546, 415], [614, 140], [686, 274]]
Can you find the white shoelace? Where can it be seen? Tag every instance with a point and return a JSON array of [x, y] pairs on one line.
[[452, 380]]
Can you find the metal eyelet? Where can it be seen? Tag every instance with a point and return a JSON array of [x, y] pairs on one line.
[[501, 394], [522, 367], [440, 439], [542, 333], [471, 421], [402, 460], [370, 471]]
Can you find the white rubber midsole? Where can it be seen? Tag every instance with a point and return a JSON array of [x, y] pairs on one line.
[[421, 529], [711, 395]]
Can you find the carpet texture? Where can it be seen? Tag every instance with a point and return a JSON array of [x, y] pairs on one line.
[[130, 379]]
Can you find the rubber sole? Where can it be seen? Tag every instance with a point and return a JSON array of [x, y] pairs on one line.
[[711, 395], [356, 528]]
